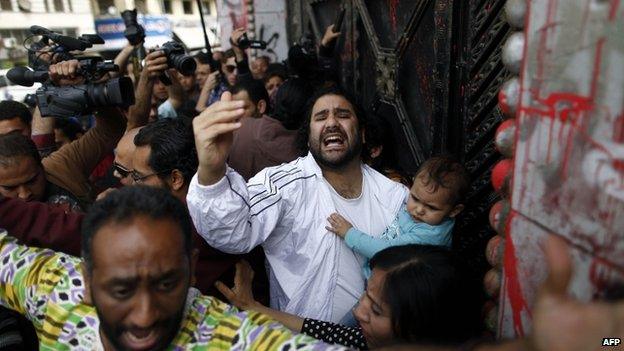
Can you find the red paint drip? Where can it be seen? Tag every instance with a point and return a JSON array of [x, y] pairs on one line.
[[393, 13], [512, 286], [615, 4], [596, 70], [618, 137]]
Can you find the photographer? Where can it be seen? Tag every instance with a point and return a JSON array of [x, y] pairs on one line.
[[62, 177], [150, 102], [233, 70]]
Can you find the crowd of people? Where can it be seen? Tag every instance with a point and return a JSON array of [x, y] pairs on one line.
[[254, 205]]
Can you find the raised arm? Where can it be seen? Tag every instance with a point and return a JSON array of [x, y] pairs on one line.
[[155, 64], [229, 214]]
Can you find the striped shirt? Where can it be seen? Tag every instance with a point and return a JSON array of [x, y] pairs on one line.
[[48, 288]]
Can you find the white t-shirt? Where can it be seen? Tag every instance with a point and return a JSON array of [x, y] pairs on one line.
[[350, 281]]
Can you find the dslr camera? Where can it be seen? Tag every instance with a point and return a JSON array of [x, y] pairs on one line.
[[178, 59], [134, 33]]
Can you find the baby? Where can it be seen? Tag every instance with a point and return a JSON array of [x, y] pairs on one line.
[[427, 218]]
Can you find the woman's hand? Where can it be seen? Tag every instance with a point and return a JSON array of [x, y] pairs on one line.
[[241, 294]]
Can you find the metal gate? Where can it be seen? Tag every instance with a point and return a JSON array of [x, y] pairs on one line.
[[432, 70]]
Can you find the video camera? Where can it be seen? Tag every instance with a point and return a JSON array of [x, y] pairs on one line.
[[72, 100], [58, 46], [69, 101], [245, 43]]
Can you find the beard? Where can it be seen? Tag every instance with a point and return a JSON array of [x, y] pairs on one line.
[[353, 150], [113, 333]]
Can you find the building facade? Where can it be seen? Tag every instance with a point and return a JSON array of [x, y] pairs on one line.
[[181, 15], [71, 17]]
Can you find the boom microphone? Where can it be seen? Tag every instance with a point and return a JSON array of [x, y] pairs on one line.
[[68, 43], [25, 77]]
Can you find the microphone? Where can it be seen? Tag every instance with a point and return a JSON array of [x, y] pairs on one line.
[[68, 42], [25, 77]]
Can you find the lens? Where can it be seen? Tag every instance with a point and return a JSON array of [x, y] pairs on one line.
[[184, 64], [114, 92]]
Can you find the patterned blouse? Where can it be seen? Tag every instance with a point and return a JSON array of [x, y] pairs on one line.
[[334, 333], [48, 288]]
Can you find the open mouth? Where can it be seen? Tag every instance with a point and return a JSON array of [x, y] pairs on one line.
[[334, 140], [140, 339]]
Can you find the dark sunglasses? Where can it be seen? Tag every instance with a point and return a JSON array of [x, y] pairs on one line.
[[121, 170], [230, 68]]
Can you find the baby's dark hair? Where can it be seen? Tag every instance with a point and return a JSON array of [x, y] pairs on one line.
[[446, 172]]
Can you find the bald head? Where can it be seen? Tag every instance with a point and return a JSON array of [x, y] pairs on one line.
[[124, 153]]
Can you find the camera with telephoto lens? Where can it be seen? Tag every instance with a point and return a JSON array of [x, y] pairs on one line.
[[178, 59], [135, 33], [74, 100], [245, 43]]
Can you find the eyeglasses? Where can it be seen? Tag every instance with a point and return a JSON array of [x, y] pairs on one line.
[[138, 178], [230, 68], [120, 170]]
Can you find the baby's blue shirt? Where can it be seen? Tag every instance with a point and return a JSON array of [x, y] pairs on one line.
[[403, 230]]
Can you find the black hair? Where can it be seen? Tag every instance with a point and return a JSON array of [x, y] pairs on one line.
[[10, 109], [430, 298], [265, 58], [276, 70], [304, 131], [291, 102], [446, 172], [15, 144], [254, 88], [70, 128], [229, 53], [379, 134], [203, 58], [172, 147], [128, 203]]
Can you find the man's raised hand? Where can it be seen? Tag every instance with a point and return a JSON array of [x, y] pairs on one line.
[[213, 137]]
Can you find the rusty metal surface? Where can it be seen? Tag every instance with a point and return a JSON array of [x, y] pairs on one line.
[[568, 174]]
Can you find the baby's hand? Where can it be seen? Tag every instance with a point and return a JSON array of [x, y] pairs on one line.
[[338, 225]]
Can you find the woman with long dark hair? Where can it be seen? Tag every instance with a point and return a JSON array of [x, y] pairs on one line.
[[416, 294]]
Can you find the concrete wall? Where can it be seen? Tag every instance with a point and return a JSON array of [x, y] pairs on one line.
[[568, 175]]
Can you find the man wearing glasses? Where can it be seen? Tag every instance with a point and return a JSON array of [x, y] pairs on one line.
[[122, 166]]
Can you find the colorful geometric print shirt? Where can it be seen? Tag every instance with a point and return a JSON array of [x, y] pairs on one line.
[[48, 288]]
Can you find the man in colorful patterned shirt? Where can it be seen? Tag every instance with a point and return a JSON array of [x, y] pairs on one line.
[[132, 289]]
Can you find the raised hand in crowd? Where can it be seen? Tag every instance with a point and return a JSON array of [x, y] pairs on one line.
[[66, 73], [213, 136], [234, 38], [212, 81], [155, 63], [329, 36]]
